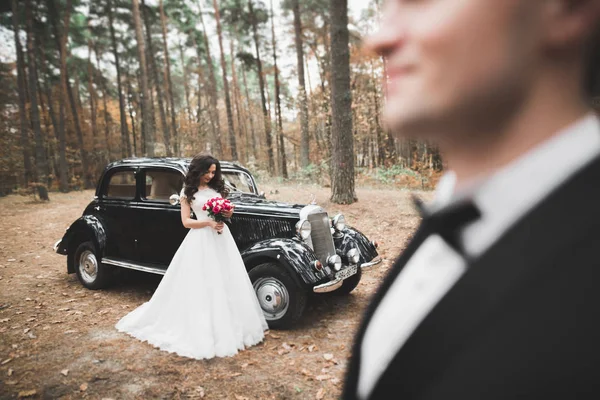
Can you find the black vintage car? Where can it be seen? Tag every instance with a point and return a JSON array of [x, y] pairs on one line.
[[289, 250]]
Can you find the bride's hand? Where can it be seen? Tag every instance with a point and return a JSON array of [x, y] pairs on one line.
[[217, 226], [229, 214]]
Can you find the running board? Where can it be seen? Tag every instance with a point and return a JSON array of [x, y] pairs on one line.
[[137, 267]]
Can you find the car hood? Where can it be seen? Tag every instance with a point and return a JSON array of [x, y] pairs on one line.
[[246, 203]]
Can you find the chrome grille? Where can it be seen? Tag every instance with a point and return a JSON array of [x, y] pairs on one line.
[[322, 242], [248, 230]]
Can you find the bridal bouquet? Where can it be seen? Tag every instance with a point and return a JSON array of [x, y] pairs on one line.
[[216, 207]]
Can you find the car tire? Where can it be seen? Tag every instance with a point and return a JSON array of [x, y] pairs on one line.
[[349, 284], [90, 272], [281, 299]]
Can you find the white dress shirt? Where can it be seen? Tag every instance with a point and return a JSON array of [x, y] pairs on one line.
[[503, 198]]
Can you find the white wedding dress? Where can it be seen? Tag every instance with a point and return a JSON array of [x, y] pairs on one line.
[[205, 305]]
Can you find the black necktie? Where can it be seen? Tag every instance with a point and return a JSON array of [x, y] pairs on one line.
[[448, 221]]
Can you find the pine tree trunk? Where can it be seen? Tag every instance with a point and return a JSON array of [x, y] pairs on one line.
[[148, 123], [281, 147], [251, 118], [236, 98], [106, 115], [131, 108], [154, 70], [261, 82], [41, 162], [185, 86], [304, 144], [232, 142], [92, 91], [342, 185], [125, 141], [24, 130], [213, 87], [168, 83]]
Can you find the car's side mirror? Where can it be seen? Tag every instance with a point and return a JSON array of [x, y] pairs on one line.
[[174, 199], [262, 195]]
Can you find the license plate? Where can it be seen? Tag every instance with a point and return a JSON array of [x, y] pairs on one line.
[[346, 273]]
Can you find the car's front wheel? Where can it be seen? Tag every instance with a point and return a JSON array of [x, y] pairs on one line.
[[91, 273], [280, 298]]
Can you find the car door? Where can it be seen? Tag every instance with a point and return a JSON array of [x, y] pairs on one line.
[[161, 230], [119, 196]]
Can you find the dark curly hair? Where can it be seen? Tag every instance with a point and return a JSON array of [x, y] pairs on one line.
[[199, 166]]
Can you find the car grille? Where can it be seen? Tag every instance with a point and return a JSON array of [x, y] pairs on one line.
[[322, 242], [248, 230]]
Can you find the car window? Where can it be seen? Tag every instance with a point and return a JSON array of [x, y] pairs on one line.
[[121, 185], [161, 184], [238, 181]]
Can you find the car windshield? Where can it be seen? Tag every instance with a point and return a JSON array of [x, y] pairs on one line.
[[238, 181]]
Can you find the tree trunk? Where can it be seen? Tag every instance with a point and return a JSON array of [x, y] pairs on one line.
[[168, 83], [251, 118], [147, 123], [281, 147], [185, 86], [161, 107], [91, 90], [236, 98], [41, 162], [213, 86], [342, 185], [261, 82], [232, 143], [125, 141], [130, 107], [61, 133], [304, 144], [106, 115], [24, 138]]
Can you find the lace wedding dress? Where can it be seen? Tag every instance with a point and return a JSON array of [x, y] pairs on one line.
[[205, 305]]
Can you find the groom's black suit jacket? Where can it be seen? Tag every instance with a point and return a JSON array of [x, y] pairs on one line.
[[523, 322]]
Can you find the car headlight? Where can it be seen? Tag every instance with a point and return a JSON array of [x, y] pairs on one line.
[[303, 229], [335, 262], [353, 256], [339, 222]]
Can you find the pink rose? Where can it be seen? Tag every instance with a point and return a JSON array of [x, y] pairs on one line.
[[216, 209]]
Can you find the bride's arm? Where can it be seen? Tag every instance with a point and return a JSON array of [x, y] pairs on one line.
[[188, 222]]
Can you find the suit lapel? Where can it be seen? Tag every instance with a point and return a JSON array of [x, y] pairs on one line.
[[520, 258], [353, 368]]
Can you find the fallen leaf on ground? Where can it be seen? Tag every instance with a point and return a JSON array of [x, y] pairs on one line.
[[238, 397], [26, 330], [322, 377], [305, 372], [320, 394], [274, 336], [83, 387], [4, 319], [65, 372], [235, 374], [286, 346], [328, 356], [6, 361], [27, 393], [335, 381], [200, 391], [312, 348], [31, 335], [10, 372]]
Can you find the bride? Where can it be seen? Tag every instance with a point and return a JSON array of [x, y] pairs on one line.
[[205, 305]]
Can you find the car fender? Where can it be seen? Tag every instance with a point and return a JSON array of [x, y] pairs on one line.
[[293, 254], [351, 238], [87, 227]]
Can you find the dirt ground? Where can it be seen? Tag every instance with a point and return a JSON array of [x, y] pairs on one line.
[[57, 339]]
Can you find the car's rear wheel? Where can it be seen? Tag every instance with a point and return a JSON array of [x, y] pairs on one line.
[[280, 298], [91, 273], [349, 284]]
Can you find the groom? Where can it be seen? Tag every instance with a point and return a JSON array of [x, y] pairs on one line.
[[498, 294]]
